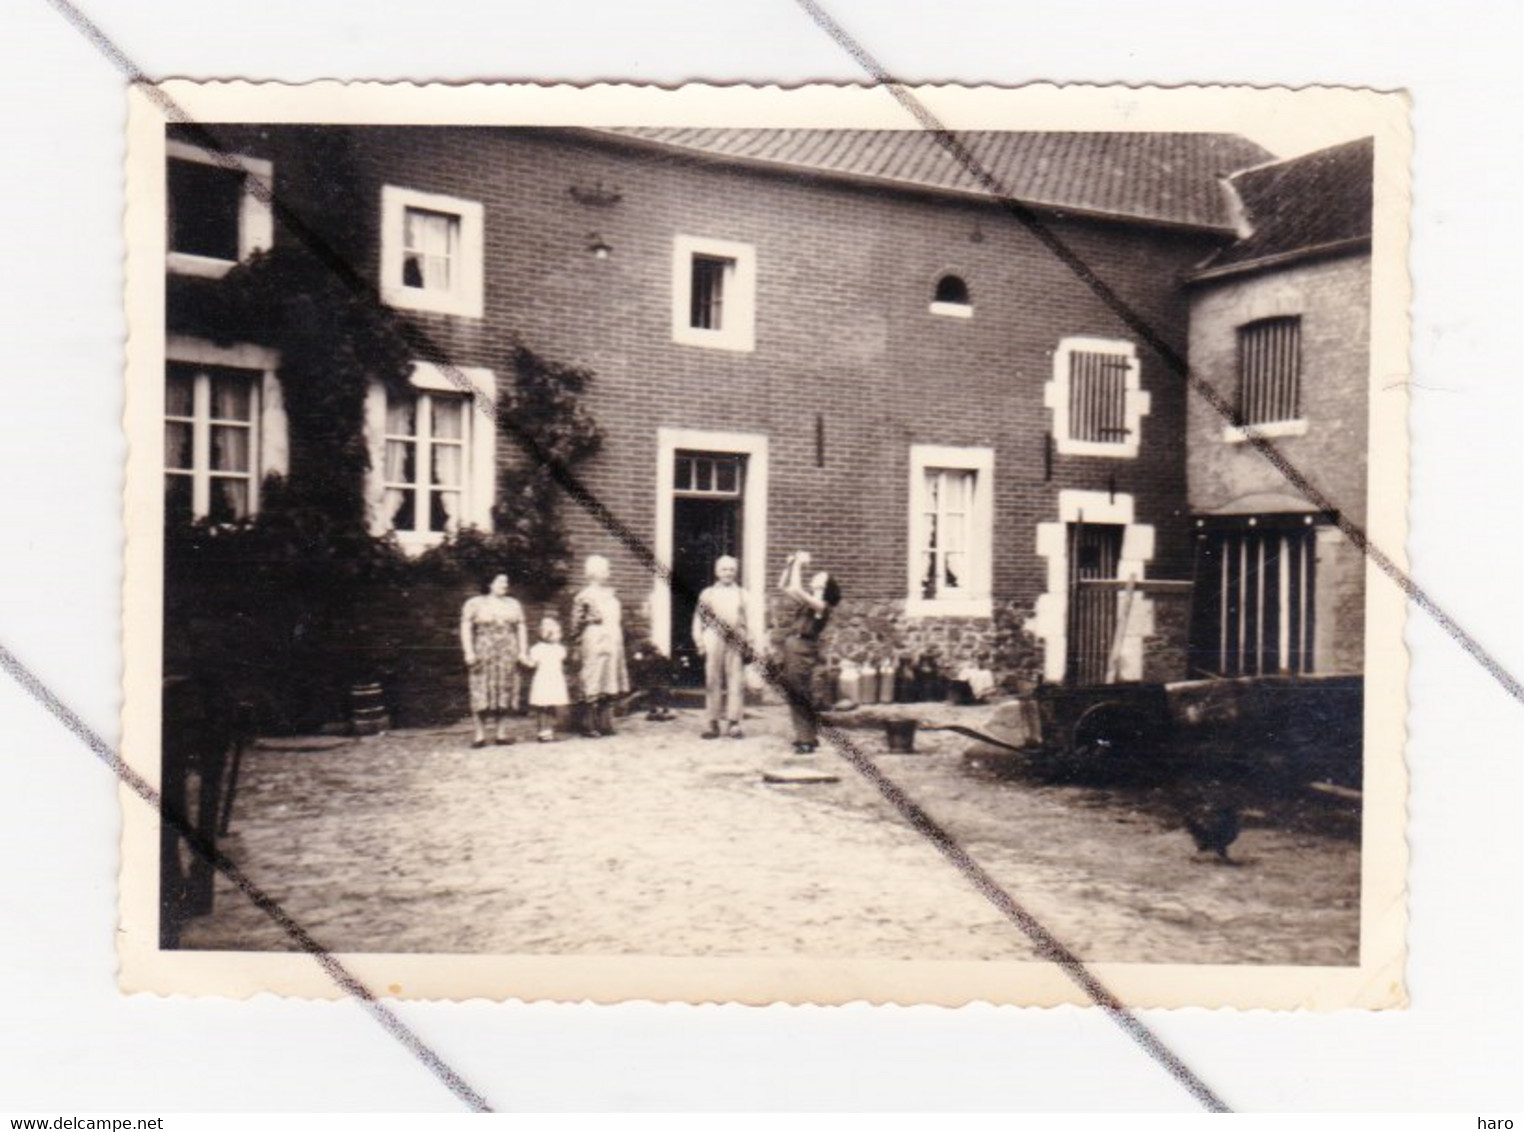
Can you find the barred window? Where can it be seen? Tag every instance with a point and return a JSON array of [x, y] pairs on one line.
[[1255, 601], [1270, 371], [1098, 396]]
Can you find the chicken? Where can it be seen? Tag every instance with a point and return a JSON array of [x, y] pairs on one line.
[[1214, 827]]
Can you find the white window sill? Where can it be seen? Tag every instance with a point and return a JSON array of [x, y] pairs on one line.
[[1269, 430], [206, 267], [1126, 450], [432, 302], [734, 341], [949, 607], [953, 310], [416, 542]]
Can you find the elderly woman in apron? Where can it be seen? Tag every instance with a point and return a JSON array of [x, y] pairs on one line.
[[596, 627]]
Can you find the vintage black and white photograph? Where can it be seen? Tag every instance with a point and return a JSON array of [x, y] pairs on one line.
[[614, 554]]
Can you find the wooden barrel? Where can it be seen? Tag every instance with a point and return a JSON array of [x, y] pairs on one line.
[[367, 710], [901, 736]]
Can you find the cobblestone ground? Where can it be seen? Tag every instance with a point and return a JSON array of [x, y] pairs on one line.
[[654, 842]]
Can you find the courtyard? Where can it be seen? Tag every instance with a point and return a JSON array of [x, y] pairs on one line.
[[655, 842]]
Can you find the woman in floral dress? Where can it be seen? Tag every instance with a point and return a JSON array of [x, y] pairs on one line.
[[493, 638]]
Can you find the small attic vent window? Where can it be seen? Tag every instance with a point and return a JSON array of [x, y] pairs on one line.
[[951, 298]]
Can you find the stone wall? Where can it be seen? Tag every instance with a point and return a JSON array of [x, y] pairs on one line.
[[874, 629], [1166, 649]]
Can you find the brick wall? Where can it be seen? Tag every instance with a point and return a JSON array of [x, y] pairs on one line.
[[845, 274], [1332, 297]]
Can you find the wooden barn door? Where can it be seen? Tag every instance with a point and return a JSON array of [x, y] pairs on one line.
[[1095, 549]]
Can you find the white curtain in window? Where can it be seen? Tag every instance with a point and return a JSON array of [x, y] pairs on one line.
[[430, 244], [401, 421], [178, 445], [445, 515], [397, 502], [449, 464], [231, 399], [402, 416], [179, 392], [449, 417], [230, 499], [230, 448], [399, 461]]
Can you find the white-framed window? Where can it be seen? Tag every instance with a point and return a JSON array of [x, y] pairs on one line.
[[951, 298], [224, 429], [1097, 398], [951, 523], [714, 293], [433, 455], [431, 252], [1269, 379], [210, 442], [217, 208], [425, 472]]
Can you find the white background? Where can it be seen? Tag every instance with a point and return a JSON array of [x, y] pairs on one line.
[[70, 1044]]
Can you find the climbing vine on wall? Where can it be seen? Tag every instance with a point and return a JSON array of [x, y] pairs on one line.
[[291, 606], [307, 298], [549, 433]]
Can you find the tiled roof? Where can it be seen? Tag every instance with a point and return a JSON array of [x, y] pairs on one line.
[[1313, 201], [1168, 178]]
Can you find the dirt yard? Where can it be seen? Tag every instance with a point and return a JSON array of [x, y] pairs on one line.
[[656, 842]]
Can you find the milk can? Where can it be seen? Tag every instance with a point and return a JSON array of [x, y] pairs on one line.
[[847, 684]]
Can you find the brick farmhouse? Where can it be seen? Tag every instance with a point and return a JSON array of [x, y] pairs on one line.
[[835, 340]]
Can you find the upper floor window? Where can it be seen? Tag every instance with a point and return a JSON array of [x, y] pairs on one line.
[[1270, 371], [951, 298], [431, 252], [218, 208], [714, 293], [210, 442], [950, 530], [1096, 396]]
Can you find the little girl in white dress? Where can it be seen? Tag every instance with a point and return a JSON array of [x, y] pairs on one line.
[[547, 691]]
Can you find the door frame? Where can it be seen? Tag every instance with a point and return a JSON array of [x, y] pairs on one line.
[[753, 523], [1050, 616], [1107, 585]]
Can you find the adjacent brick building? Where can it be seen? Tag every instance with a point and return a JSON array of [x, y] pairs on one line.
[[1280, 328], [828, 340]]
